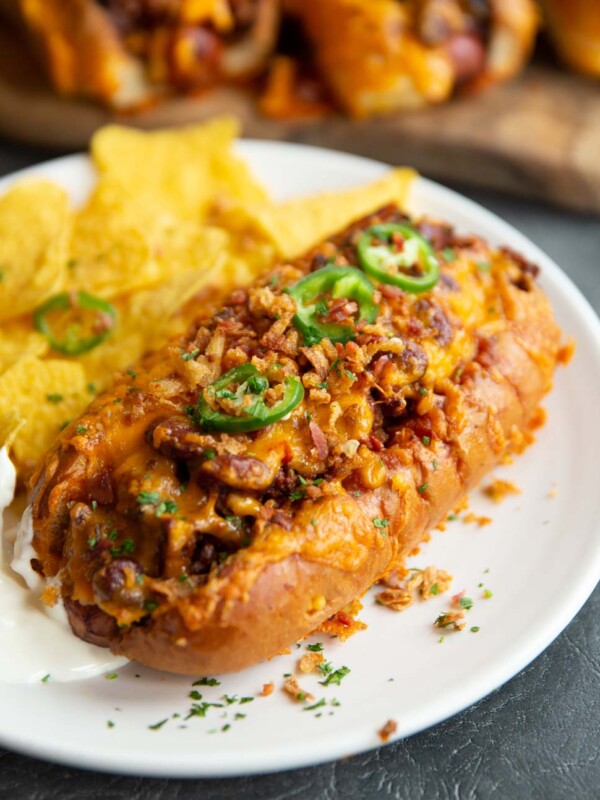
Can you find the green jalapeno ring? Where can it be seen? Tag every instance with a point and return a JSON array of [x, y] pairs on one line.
[[342, 282], [258, 414], [72, 346], [379, 261]]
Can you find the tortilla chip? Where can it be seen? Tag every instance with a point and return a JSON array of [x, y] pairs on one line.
[[297, 225], [35, 227], [18, 340], [180, 170], [44, 394]]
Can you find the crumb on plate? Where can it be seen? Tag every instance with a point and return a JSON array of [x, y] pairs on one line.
[[292, 688], [498, 489], [310, 661], [390, 727]]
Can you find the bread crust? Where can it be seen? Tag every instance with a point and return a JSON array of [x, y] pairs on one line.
[[85, 53], [313, 553]]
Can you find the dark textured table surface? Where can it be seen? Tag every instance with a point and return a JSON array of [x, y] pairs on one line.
[[538, 736]]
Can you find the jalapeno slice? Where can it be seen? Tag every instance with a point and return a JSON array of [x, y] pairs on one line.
[[398, 254], [312, 309], [237, 385], [85, 323]]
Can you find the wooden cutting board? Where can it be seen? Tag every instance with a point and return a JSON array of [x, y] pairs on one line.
[[537, 137]]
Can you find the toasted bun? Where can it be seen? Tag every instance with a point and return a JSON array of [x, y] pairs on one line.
[[574, 27]]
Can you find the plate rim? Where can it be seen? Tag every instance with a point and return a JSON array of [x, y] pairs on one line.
[[499, 673]]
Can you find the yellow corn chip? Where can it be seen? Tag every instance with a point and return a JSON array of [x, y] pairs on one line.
[[296, 225], [10, 425], [35, 226], [18, 340], [44, 394], [180, 171]]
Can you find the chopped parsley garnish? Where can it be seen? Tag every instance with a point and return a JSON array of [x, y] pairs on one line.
[[319, 704], [323, 385], [209, 454], [325, 668], [240, 716], [426, 440], [452, 517], [335, 677], [422, 392], [113, 535], [381, 522], [448, 254], [64, 424], [111, 676], [434, 464], [110, 724], [91, 387], [315, 648], [466, 602], [158, 725], [94, 505], [81, 429], [118, 400], [357, 494], [226, 394], [195, 695], [206, 682], [423, 488], [166, 507], [191, 355], [148, 498], [46, 678], [125, 548], [475, 629], [435, 589], [200, 709], [484, 266], [132, 373], [349, 374], [150, 605], [55, 398], [299, 494], [318, 481], [321, 308], [487, 593], [92, 542], [245, 700]]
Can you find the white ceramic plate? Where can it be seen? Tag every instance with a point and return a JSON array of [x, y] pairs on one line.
[[542, 553]]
